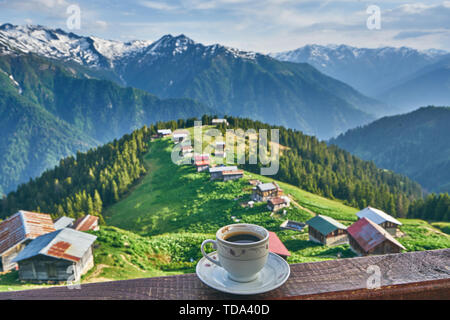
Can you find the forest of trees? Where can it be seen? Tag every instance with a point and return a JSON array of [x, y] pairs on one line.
[[433, 207], [93, 180], [90, 181], [334, 173]]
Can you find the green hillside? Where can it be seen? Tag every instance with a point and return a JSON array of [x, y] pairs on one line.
[[174, 208], [49, 111], [414, 144], [157, 228]]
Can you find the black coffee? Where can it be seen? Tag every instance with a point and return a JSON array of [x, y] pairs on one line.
[[242, 238]]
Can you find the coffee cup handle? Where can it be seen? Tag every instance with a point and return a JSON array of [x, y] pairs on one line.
[[204, 253]]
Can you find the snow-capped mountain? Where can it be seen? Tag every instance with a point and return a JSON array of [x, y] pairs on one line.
[[96, 52], [370, 71], [225, 79], [58, 44]]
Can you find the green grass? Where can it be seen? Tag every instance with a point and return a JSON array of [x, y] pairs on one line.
[[443, 226]]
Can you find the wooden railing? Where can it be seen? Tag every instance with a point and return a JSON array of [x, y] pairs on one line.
[[413, 275]]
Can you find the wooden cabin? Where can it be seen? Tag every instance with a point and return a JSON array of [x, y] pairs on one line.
[[200, 157], [202, 165], [179, 137], [277, 247], [86, 223], [164, 132], [216, 172], [63, 222], [17, 231], [381, 218], [366, 237], [219, 121], [326, 230], [277, 203], [232, 175], [292, 225], [186, 150], [62, 255], [265, 191], [254, 182]]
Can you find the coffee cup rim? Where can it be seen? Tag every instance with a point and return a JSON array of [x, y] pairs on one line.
[[242, 244]]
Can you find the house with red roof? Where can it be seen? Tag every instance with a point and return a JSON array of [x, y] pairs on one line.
[[17, 231], [86, 223], [276, 246], [366, 237]]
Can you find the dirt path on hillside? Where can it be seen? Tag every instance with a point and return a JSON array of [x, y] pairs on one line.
[[94, 276], [300, 206], [130, 264]]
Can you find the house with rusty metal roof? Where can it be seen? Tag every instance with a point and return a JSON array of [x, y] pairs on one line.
[[366, 237], [276, 203], [86, 223], [217, 171], [326, 230], [276, 246], [17, 231], [232, 174], [384, 220], [62, 255]]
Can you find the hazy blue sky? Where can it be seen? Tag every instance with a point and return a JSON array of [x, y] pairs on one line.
[[257, 25]]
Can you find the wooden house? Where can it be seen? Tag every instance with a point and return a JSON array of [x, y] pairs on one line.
[[277, 247], [277, 203], [232, 174], [219, 121], [164, 132], [265, 191], [389, 223], [63, 222], [17, 231], [86, 223], [366, 237], [326, 230], [186, 150], [216, 172], [292, 225], [219, 150], [179, 136], [62, 255], [254, 182], [202, 165]]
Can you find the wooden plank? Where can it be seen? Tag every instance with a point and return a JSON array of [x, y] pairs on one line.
[[413, 275]]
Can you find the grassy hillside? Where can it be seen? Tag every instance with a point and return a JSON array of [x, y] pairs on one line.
[[158, 227]]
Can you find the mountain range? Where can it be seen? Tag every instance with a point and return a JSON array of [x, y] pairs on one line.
[[400, 77], [62, 92], [49, 111], [225, 79], [415, 144]]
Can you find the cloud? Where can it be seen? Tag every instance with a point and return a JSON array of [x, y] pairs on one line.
[[414, 34], [158, 5]]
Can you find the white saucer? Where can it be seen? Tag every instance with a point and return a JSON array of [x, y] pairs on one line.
[[274, 274]]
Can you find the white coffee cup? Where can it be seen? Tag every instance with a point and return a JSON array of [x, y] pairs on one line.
[[242, 260]]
